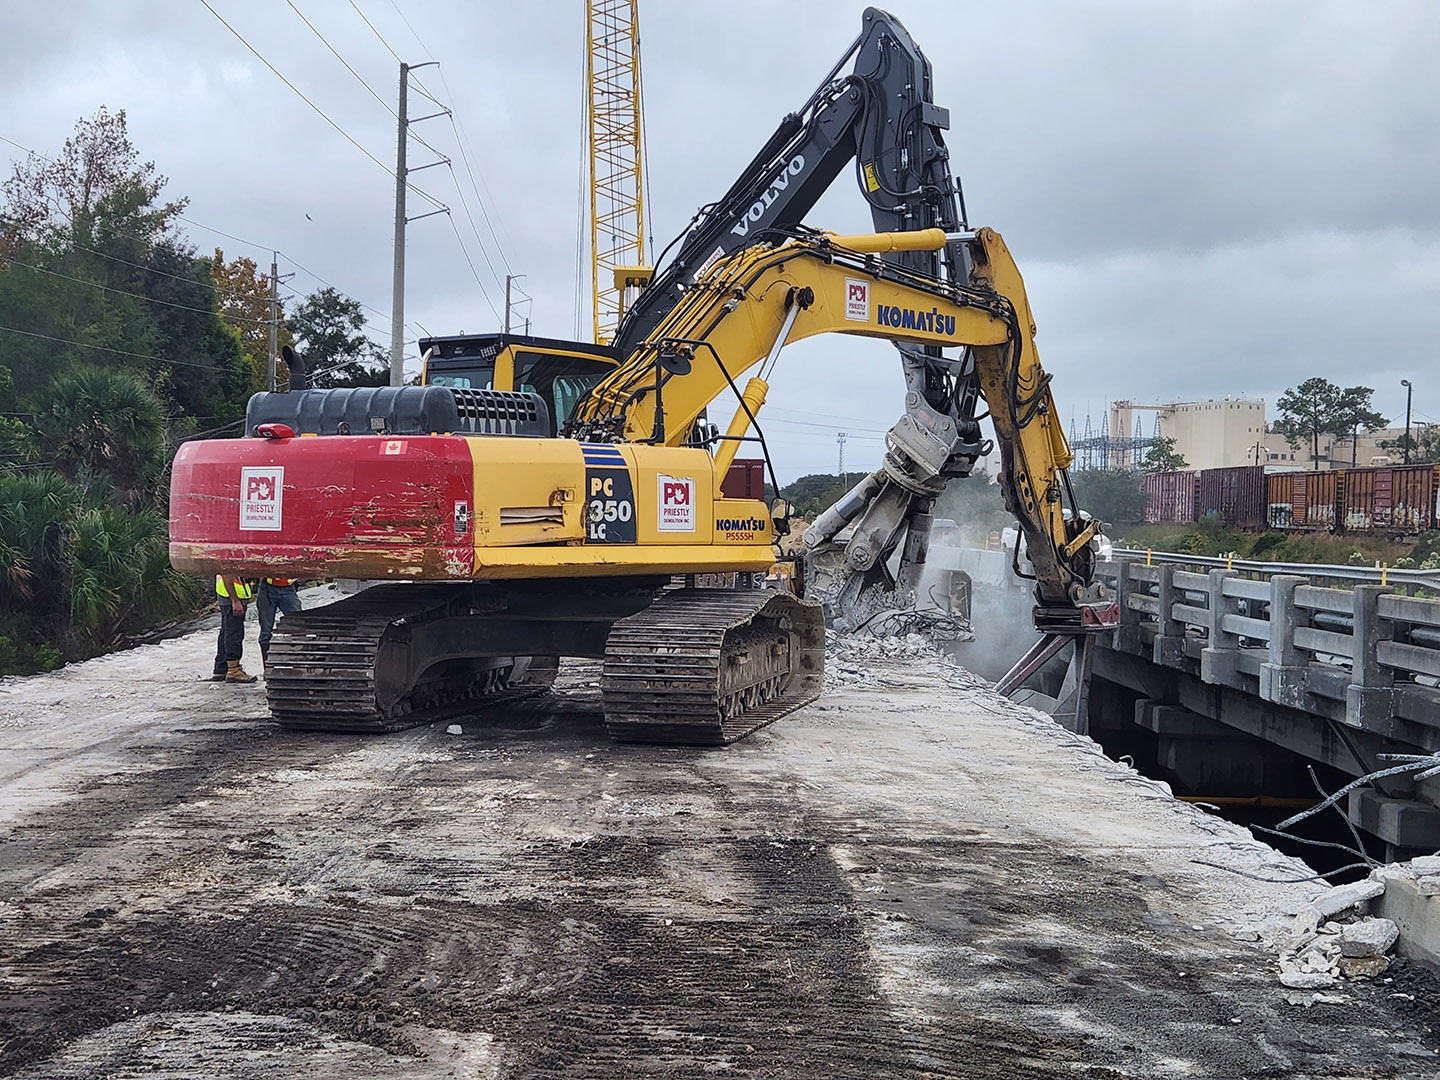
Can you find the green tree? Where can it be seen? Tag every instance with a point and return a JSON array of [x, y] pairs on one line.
[[1113, 496], [1309, 411], [93, 258], [93, 191], [1162, 457], [242, 295], [329, 329], [1355, 412], [1424, 444], [814, 492], [105, 423]]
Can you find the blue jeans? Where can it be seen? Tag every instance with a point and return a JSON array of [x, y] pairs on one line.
[[268, 600], [230, 641]]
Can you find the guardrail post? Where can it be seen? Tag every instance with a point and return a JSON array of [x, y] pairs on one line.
[[1218, 658], [1126, 635], [1283, 675], [1169, 643], [1370, 697]]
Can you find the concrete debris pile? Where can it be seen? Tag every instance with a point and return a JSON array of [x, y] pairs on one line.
[[933, 625], [850, 659], [1332, 938]]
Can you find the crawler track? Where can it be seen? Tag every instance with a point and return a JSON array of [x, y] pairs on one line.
[[327, 669], [703, 667]]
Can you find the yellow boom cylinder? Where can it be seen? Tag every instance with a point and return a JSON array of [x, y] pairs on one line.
[[879, 243], [754, 397]]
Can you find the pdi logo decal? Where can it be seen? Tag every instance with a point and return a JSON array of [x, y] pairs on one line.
[[676, 501], [262, 497], [857, 299]]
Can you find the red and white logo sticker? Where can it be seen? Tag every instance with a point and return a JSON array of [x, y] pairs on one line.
[[394, 446], [676, 498], [262, 495], [857, 299]]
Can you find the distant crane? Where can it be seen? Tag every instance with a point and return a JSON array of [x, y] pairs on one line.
[[616, 168]]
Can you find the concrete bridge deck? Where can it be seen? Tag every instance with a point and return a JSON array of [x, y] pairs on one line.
[[913, 877], [1341, 675]]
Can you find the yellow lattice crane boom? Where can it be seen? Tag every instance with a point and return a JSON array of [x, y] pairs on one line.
[[617, 181]]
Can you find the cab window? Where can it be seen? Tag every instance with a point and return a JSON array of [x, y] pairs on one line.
[[561, 380], [467, 378]]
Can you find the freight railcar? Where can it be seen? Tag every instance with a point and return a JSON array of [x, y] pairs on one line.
[[1170, 497], [1388, 500]]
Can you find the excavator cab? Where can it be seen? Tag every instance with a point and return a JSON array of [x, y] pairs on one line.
[[560, 372]]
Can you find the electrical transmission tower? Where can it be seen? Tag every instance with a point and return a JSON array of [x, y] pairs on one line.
[[617, 183], [840, 438]]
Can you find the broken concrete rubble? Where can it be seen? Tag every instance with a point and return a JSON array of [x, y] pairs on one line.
[[1333, 936], [1306, 980], [1368, 938], [1344, 897], [1363, 967]]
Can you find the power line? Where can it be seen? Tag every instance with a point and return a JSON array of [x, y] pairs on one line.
[[465, 205], [219, 292], [428, 54], [460, 139], [137, 296], [470, 263], [376, 32], [342, 59], [211, 229], [319, 111], [298, 93], [104, 348]]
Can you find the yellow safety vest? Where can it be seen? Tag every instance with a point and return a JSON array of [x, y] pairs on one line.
[[242, 590]]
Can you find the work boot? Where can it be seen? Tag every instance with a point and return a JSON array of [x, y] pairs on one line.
[[218, 675], [237, 674], [264, 654]]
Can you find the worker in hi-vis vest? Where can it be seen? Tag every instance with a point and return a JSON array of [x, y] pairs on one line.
[[271, 595], [233, 594]]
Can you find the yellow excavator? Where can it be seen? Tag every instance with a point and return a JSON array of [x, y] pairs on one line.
[[511, 548], [536, 499]]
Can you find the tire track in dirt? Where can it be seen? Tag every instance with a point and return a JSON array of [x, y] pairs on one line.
[[552, 904]]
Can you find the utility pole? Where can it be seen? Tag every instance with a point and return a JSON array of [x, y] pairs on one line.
[[397, 298], [840, 438], [1409, 392], [274, 318], [509, 278]]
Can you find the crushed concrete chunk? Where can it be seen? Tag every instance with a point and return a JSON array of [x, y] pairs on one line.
[[1347, 896], [453, 729], [1428, 886], [1306, 980], [1368, 937], [1426, 864], [1363, 967]]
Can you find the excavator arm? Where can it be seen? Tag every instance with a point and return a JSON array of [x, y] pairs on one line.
[[881, 118], [747, 307]]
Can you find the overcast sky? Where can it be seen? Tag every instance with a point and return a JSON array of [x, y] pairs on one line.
[[1206, 198]]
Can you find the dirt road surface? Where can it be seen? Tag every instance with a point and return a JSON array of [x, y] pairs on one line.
[[912, 878]]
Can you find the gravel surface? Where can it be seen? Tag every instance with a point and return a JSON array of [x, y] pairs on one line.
[[910, 878]]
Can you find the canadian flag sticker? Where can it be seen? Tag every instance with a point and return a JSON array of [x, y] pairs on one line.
[[676, 500]]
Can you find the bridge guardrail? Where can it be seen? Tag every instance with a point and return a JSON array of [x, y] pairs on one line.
[[1360, 575], [1365, 655]]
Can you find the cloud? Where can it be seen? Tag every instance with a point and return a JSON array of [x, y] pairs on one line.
[[1207, 197]]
